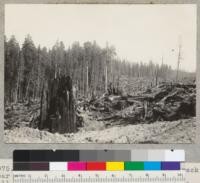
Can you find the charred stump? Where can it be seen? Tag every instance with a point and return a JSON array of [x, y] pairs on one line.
[[57, 112]]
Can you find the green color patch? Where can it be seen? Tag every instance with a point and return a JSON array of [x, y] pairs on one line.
[[133, 165]]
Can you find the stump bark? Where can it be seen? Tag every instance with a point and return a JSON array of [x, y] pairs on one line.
[[57, 112]]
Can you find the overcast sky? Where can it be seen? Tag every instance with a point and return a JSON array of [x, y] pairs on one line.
[[139, 32]]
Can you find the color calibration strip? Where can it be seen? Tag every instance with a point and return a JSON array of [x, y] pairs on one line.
[[96, 166], [99, 160], [98, 155]]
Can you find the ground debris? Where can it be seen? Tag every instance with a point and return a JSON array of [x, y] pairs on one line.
[[24, 114], [165, 102]]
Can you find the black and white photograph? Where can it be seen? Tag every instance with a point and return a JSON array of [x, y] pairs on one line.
[[100, 73]]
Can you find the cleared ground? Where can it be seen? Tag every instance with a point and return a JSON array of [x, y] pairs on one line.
[[181, 131]]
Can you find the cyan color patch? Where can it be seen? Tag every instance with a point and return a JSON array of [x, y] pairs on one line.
[[152, 165]]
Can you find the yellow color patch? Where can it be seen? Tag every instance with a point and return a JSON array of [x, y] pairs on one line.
[[114, 166]]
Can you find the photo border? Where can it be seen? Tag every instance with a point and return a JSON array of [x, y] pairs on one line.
[[192, 150]]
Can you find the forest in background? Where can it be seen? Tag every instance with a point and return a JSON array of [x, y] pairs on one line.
[[91, 68]]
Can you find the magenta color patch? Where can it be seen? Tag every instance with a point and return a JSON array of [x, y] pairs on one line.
[[76, 166]]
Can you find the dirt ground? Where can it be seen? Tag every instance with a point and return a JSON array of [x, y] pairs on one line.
[[180, 131]]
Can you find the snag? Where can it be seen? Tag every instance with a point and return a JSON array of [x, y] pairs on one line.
[[57, 113]]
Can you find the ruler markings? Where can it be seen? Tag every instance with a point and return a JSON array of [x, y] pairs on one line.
[[98, 177]]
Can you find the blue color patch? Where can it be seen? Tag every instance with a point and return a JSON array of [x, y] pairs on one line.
[[152, 165]]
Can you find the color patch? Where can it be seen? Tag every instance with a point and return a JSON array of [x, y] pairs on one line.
[[152, 165], [45, 155], [100, 166], [133, 165], [122, 155], [39, 166], [139, 155], [174, 155], [105, 155], [76, 166], [88, 155], [114, 166], [156, 155], [21, 166], [58, 166], [170, 166]]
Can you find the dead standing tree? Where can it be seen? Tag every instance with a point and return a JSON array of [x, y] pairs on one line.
[[58, 106], [179, 60]]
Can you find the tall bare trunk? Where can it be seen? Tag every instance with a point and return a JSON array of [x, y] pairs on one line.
[[87, 82], [106, 79], [178, 62]]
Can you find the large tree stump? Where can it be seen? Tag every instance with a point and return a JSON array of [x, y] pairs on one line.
[[57, 113]]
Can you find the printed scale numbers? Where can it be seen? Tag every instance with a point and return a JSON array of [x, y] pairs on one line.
[[192, 172], [6, 171], [99, 177]]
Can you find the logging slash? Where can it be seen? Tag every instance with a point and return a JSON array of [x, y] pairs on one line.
[[165, 102]]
